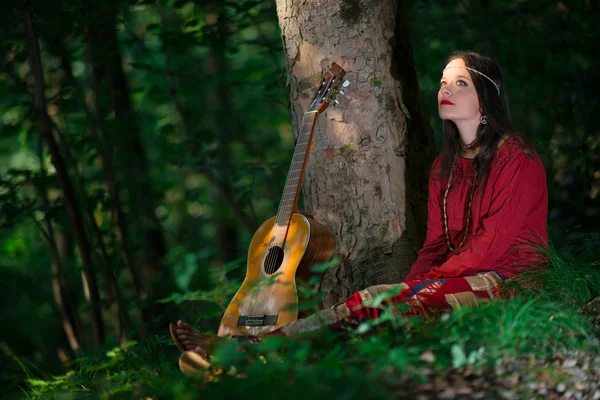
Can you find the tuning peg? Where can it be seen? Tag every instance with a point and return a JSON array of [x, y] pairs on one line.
[[346, 83], [341, 92], [336, 102]]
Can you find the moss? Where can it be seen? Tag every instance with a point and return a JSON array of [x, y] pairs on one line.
[[384, 230], [376, 81], [347, 152], [390, 104]]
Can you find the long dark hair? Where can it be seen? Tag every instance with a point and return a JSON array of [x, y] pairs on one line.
[[498, 122]]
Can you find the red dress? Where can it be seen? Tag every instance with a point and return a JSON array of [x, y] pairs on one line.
[[510, 213]]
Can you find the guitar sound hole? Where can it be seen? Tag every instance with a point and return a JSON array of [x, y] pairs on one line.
[[273, 259]]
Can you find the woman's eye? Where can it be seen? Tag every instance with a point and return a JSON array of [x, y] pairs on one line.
[[460, 80]]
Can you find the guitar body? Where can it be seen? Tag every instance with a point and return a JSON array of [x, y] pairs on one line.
[[268, 300]]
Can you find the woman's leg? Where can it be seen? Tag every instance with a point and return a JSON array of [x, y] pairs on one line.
[[423, 297]]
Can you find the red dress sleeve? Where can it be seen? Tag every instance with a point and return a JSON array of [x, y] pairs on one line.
[[516, 188], [434, 250]]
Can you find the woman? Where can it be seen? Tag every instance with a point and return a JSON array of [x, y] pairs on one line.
[[487, 204]]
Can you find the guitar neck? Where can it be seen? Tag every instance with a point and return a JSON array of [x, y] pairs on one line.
[[289, 199]]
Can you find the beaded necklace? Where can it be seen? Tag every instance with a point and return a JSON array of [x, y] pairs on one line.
[[452, 249], [470, 145]]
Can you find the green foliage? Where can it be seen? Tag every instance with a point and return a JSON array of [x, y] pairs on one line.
[[571, 276], [321, 268], [322, 363], [201, 99], [118, 373], [210, 97], [220, 295], [380, 357]]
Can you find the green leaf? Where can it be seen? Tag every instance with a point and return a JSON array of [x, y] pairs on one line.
[[227, 354], [459, 358], [318, 268], [576, 236]]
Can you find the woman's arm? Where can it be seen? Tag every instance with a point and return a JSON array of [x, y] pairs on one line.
[[518, 186], [434, 250]]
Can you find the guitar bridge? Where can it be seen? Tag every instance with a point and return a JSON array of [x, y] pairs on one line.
[[257, 320]]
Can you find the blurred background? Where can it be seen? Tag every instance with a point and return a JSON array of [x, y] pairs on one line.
[[168, 136]]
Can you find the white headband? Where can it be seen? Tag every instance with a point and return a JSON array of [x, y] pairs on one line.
[[480, 73]]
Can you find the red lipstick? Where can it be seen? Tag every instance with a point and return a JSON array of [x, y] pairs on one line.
[[448, 102]]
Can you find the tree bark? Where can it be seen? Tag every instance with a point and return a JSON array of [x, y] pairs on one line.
[[45, 129], [367, 151]]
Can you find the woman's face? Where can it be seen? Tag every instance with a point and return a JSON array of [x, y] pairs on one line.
[[457, 98]]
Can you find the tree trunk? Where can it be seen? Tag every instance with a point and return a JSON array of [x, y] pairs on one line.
[[106, 162], [69, 319], [368, 169], [120, 321], [125, 140], [45, 129]]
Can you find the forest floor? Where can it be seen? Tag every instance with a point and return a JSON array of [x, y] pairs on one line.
[[561, 376], [542, 344], [517, 349]]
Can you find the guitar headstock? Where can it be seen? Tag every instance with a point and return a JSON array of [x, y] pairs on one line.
[[330, 86]]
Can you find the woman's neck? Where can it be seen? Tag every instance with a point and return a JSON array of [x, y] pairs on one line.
[[471, 153]]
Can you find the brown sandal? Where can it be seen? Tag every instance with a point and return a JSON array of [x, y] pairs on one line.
[[191, 362]]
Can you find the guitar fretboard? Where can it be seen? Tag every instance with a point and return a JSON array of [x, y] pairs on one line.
[[294, 179]]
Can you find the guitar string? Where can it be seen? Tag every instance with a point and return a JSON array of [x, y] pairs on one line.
[[302, 142], [304, 138]]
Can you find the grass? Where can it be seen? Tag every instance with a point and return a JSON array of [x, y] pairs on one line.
[[383, 357]]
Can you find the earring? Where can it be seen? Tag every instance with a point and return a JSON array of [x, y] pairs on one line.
[[483, 120]]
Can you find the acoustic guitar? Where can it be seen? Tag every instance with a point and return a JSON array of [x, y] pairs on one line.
[[285, 246]]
